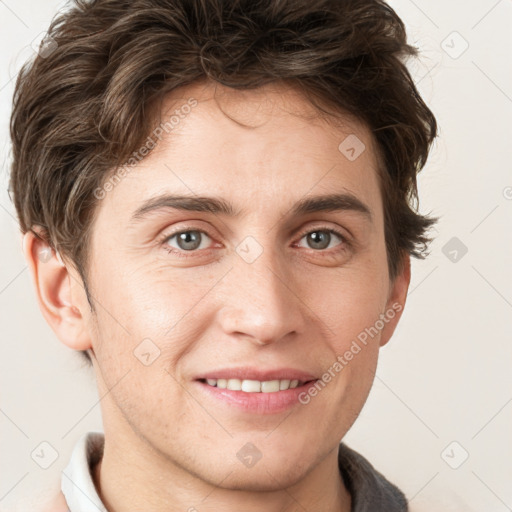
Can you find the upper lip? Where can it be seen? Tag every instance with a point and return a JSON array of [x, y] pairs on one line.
[[263, 375]]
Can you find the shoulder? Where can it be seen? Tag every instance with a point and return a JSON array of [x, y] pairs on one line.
[[369, 489]]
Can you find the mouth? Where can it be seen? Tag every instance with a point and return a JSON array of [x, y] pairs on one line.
[[250, 396], [255, 386], [253, 389]]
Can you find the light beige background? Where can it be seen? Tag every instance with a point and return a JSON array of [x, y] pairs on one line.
[[445, 376]]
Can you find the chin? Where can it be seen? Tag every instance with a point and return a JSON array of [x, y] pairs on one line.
[[262, 481]]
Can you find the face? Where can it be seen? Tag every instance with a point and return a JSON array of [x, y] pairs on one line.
[[259, 289]]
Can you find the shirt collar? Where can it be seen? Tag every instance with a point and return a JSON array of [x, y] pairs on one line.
[[77, 483]]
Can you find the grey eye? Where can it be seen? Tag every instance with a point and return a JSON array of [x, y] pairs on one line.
[[188, 240], [320, 238]]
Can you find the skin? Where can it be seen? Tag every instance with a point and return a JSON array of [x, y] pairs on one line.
[[167, 446]]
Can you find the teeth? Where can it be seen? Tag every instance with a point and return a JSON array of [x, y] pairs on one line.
[[234, 384], [284, 384], [251, 386], [255, 386]]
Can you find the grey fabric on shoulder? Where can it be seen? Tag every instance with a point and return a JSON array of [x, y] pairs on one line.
[[370, 490]]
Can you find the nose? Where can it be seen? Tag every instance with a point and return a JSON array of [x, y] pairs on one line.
[[261, 301]]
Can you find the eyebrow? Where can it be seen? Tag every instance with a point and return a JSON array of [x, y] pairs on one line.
[[216, 205]]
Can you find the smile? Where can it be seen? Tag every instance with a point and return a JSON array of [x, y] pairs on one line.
[[254, 386]]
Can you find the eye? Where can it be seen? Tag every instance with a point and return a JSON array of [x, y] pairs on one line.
[[321, 238], [187, 241], [193, 240]]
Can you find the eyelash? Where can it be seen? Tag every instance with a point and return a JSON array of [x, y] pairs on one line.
[[345, 244]]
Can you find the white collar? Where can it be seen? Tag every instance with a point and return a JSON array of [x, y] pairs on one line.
[[76, 482]]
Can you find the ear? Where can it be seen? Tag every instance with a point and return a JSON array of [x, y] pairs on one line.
[[55, 289], [396, 300]]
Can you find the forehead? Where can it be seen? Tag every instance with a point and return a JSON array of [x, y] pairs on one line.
[[253, 112], [265, 145]]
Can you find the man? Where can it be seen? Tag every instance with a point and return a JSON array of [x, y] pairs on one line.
[[215, 201]]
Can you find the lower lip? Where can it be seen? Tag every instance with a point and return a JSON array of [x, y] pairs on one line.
[[259, 403]]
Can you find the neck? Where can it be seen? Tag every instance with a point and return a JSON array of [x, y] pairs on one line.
[[140, 480]]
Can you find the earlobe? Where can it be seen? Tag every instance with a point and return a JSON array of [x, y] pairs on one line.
[[396, 300], [52, 282]]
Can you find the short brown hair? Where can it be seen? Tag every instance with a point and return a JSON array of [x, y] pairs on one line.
[[81, 107]]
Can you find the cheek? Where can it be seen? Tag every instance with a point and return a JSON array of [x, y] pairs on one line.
[[351, 308], [143, 298], [351, 301], [147, 310]]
